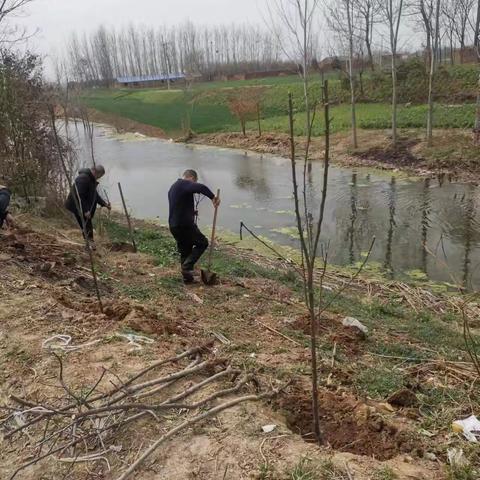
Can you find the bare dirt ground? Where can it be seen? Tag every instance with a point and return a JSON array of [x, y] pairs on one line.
[[46, 289]]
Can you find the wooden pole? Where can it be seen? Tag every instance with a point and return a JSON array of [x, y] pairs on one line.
[[214, 226], [130, 230]]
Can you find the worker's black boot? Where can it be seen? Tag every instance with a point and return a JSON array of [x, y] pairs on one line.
[[188, 276]]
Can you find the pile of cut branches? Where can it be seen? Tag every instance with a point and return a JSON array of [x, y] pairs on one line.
[[88, 426]]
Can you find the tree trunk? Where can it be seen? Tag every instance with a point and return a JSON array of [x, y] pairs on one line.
[[476, 39], [433, 61], [368, 42], [477, 116], [394, 100], [258, 121], [350, 74]]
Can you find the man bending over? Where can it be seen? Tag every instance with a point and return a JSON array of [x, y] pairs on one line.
[[83, 199], [191, 242]]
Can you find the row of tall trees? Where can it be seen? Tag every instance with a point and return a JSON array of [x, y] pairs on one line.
[[108, 53]]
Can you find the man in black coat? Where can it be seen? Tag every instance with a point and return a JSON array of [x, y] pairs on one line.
[[191, 242], [5, 216], [84, 194]]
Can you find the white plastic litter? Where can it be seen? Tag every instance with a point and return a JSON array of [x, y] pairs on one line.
[[269, 428], [62, 342], [470, 427], [136, 341], [353, 322], [456, 458]]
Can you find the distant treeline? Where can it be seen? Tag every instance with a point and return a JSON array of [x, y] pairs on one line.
[[210, 52]]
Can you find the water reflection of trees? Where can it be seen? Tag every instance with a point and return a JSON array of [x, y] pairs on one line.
[[251, 175], [392, 205], [425, 222]]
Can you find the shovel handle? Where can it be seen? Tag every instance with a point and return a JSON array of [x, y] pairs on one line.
[[214, 227]]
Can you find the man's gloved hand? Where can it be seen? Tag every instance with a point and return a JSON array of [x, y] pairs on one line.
[[216, 201], [87, 215]]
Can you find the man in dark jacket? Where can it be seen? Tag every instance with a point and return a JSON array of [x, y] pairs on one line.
[[84, 194], [5, 216], [191, 242]]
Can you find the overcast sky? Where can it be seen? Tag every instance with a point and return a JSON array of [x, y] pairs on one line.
[[55, 19]]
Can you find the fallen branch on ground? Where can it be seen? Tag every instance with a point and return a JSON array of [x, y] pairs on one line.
[[79, 427]]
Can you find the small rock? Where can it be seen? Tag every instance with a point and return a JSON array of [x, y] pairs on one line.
[[269, 428], [358, 327], [403, 398], [430, 456]]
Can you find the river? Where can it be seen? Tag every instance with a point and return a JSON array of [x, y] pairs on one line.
[[423, 227]]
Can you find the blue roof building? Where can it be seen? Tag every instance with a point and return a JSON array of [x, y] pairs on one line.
[[150, 80]]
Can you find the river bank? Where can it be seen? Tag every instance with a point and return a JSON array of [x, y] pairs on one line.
[[452, 154], [381, 395]]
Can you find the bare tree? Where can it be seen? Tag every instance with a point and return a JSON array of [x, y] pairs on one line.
[[244, 108], [11, 34], [476, 30], [433, 63], [424, 13], [293, 28], [368, 11], [393, 11], [343, 18], [458, 13]]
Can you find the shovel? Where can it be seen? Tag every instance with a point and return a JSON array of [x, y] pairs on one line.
[[209, 277]]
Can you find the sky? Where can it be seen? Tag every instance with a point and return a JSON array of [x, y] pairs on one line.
[[56, 19]]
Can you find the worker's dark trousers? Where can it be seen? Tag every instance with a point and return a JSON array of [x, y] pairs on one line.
[[3, 209], [191, 244], [88, 225]]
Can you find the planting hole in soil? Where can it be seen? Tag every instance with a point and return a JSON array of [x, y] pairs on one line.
[[347, 425]]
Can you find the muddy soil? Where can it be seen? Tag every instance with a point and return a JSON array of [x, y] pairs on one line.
[[349, 424]]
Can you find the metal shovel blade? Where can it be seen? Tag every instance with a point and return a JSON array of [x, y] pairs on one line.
[[209, 278]]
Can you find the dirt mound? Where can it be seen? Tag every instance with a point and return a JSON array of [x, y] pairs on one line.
[[347, 425], [401, 155], [139, 318], [121, 247], [335, 332], [41, 254]]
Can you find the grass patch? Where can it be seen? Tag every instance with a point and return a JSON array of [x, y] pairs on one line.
[[302, 471], [379, 381], [466, 472], [137, 292], [384, 473], [154, 242], [209, 110]]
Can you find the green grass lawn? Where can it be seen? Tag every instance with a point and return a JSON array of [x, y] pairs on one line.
[[208, 102]]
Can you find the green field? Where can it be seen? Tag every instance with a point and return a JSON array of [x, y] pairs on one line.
[[207, 105]]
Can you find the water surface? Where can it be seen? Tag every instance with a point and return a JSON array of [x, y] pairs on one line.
[[423, 227]]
